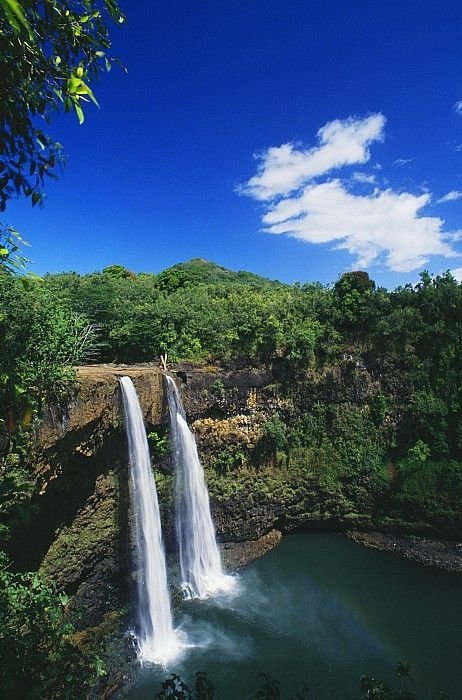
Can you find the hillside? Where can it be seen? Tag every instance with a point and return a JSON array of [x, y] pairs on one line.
[[200, 271]]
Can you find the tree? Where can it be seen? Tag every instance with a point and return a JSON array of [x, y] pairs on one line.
[[353, 296], [273, 439], [39, 658], [50, 52], [39, 344]]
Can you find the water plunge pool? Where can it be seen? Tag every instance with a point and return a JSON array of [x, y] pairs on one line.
[[323, 610]]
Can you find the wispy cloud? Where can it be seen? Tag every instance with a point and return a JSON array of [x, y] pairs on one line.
[[402, 161], [458, 107], [451, 196], [364, 178], [283, 169], [383, 226], [457, 273]]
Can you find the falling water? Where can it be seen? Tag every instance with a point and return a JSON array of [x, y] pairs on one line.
[[201, 568], [158, 641]]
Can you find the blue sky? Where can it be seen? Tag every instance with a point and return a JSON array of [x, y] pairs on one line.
[[297, 139]]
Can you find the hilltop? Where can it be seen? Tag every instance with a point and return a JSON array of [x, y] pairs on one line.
[[200, 271]]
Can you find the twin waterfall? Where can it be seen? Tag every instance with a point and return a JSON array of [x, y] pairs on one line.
[[157, 639], [201, 569]]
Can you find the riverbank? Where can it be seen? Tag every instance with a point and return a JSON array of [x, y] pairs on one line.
[[429, 552], [440, 554]]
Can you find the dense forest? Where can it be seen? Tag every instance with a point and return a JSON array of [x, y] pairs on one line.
[[400, 440], [409, 338]]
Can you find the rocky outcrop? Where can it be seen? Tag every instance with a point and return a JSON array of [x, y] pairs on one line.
[[79, 533], [238, 554], [426, 551], [96, 408]]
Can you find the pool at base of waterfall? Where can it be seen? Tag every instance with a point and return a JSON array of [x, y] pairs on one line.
[[322, 610]]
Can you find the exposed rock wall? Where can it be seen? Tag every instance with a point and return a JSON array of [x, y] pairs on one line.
[[80, 531]]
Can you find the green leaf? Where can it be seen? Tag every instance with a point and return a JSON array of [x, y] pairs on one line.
[[73, 83], [79, 111], [85, 90], [16, 17]]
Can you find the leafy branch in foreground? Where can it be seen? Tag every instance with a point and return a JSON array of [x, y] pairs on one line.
[[11, 258], [173, 688], [50, 53], [38, 658]]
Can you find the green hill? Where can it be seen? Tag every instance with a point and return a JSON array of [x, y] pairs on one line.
[[200, 271]]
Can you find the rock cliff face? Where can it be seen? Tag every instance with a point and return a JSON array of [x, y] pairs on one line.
[[80, 531]]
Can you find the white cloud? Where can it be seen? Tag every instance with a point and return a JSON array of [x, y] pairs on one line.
[[457, 273], [402, 161], [451, 196], [364, 178], [284, 169], [458, 107], [383, 226]]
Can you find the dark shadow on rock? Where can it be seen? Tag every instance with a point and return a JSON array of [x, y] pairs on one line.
[[72, 482]]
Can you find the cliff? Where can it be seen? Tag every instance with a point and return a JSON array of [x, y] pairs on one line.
[[79, 532], [78, 529]]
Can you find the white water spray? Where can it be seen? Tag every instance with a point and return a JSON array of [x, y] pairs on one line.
[[201, 568], [158, 642]]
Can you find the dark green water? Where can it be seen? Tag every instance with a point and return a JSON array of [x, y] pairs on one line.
[[324, 610]]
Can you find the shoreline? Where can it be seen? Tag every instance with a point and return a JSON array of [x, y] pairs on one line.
[[431, 552], [236, 555], [440, 554]]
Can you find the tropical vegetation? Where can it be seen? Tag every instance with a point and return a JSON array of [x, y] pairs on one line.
[[398, 438]]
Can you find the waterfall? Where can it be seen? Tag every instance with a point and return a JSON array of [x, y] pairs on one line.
[[158, 641], [201, 568]]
